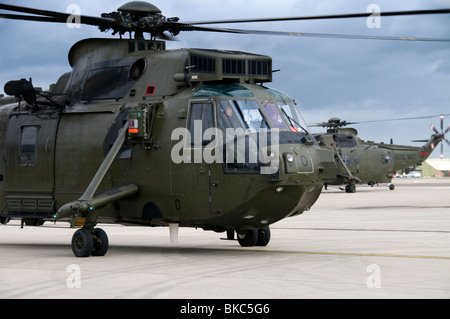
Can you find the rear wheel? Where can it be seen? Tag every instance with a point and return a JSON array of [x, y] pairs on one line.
[[248, 239], [101, 242], [263, 236]]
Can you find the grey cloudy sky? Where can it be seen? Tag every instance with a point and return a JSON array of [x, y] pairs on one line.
[[355, 80]]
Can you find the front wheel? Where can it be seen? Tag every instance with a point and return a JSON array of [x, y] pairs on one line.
[[82, 243], [350, 188]]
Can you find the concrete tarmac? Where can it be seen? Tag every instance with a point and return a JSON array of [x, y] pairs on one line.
[[375, 243]]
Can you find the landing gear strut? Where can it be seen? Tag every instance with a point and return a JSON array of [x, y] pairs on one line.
[[87, 243]]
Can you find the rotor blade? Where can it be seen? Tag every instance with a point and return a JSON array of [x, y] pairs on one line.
[[184, 27], [388, 120], [31, 18], [52, 16], [434, 129], [402, 119], [442, 123], [313, 35], [104, 23], [448, 129], [332, 16], [10, 7], [447, 141]]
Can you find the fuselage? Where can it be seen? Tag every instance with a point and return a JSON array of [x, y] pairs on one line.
[[192, 164], [372, 162]]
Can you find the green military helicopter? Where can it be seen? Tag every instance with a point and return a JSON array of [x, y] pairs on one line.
[[359, 161], [139, 135]]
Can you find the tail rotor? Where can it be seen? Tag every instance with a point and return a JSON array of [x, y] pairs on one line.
[[441, 135]]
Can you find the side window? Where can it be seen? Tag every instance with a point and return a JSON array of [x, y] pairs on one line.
[[274, 116], [347, 159], [384, 159], [201, 119], [28, 140], [227, 116]]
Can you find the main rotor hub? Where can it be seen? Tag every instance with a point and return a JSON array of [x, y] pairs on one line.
[[139, 17], [139, 6]]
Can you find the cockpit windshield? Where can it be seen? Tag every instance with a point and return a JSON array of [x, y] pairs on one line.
[[240, 114], [249, 111], [293, 117], [240, 107], [274, 115]]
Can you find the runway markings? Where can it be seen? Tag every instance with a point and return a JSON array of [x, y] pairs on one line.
[[331, 253], [180, 249], [366, 229]]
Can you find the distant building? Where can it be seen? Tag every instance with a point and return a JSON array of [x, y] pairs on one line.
[[436, 167]]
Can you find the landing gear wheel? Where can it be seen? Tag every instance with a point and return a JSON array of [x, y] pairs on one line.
[[350, 188], [263, 236], [391, 187], [248, 239], [101, 242], [82, 243]]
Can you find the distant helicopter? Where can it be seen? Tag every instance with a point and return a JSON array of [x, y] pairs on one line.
[[359, 161], [139, 135]]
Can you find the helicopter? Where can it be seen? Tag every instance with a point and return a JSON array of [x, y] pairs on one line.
[[359, 161], [136, 134]]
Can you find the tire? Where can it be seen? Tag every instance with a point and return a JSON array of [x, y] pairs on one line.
[[248, 239], [101, 242], [350, 188], [263, 237], [82, 243]]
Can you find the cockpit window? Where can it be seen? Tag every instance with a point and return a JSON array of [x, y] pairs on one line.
[[274, 116], [202, 116], [249, 112], [293, 117], [228, 116]]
